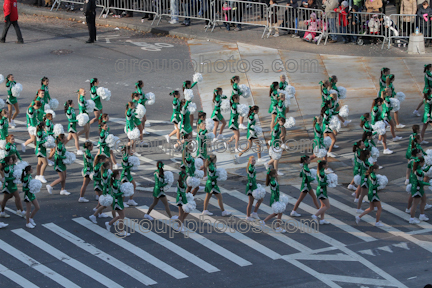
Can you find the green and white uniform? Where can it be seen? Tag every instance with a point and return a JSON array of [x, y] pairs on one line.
[[126, 175], [233, 123], [357, 161], [49, 127], [211, 184], [28, 196], [96, 98], [373, 188], [4, 125], [181, 192], [427, 117], [283, 85], [217, 114], [88, 163], [47, 97], [274, 188], [251, 184], [60, 154], [386, 109], [8, 185], [185, 127], [40, 141], [306, 178], [428, 81], [104, 149], [97, 177], [136, 120], [71, 120], [273, 100], [130, 120], [11, 99], [176, 117], [326, 120], [382, 83], [364, 167], [31, 116], [280, 109], [117, 195], [158, 190], [82, 104], [417, 183], [11, 149], [276, 133], [202, 144], [190, 166], [325, 94], [318, 137], [236, 90], [251, 135], [321, 191], [376, 115]]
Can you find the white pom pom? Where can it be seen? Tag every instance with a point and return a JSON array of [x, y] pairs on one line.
[[327, 141], [357, 180], [192, 108], [47, 107], [278, 207], [18, 169], [382, 181], [221, 173], [287, 102], [135, 162], [140, 110], [320, 152], [290, 91], [151, 98], [50, 111], [379, 127], [375, 153], [82, 118], [332, 91], [197, 77], [192, 182], [1, 78], [32, 130], [289, 123], [58, 129], [2, 144], [106, 200], [371, 160], [191, 204], [90, 105], [2, 103], [313, 173], [408, 188], [427, 174], [168, 179], [428, 157], [17, 89], [35, 186], [400, 96], [342, 92], [50, 142], [275, 154], [199, 174], [54, 103], [190, 197], [395, 104], [283, 198], [243, 110], [112, 141], [335, 123], [225, 105], [430, 183], [332, 180], [134, 134], [210, 136], [259, 193], [3, 154], [209, 124], [258, 130], [344, 111], [70, 158], [188, 94], [127, 189], [104, 93], [198, 163], [245, 90]]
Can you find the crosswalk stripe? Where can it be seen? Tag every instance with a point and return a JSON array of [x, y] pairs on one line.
[[358, 280], [18, 279], [131, 248], [242, 238], [65, 258], [204, 241], [321, 257], [36, 265], [100, 254]]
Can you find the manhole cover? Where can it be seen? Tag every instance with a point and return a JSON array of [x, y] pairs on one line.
[[61, 52]]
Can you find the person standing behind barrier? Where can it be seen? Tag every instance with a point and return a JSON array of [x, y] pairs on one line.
[[407, 7], [291, 17], [238, 14], [186, 11], [174, 12], [266, 2], [330, 5], [354, 23], [90, 14], [273, 19], [10, 11], [373, 6], [342, 12], [424, 14]]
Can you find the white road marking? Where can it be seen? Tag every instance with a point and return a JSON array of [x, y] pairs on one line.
[[18, 279]]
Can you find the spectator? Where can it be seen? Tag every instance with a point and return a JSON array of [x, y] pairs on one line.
[[186, 9], [343, 21], [359, 4], [207, 12], [10, 11], [424, 14], [373, 6], [354, 23], [291, 17], [90, 14], [398, 6], [330, 5], [226, 9], [408, 7], [174, 12], [237, 11], [312, 23], [311, 4], [273, 18], [266, 2]]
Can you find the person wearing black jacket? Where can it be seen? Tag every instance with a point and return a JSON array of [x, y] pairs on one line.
[[291, 16], [90, 14], [425, 26], [237, 10]]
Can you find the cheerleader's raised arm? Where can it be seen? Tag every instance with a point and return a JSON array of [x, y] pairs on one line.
[[72, 122]]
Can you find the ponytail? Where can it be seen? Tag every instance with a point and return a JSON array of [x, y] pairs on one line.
[[186, 84], [128, 106], [113, 176], [363, 119], [271, 173], [357, 145], [181, 178], [252, 109], [98, 158], [210, 159], [134, 94], [304, 158], [249, 163], [417, 163], [273, 87], [139, 83], [364, 155], [384, 70], [233, 79], [321, 164], [159, 166], [59, 139], [174, 92], [92, 82], [40, 126], [25, 172], [365, 135], [67, 105], [415, 128], [7, 79], [87, 144], [234, 97], [370, 170], [427, 68], [216, 92]]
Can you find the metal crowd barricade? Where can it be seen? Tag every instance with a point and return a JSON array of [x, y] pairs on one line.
[[187, 9], [99, 3], [142, 6], [401, 26], [360, 26], [240, 13], [296, 19]]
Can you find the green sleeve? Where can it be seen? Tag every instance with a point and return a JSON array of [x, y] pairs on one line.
[[193, 84]]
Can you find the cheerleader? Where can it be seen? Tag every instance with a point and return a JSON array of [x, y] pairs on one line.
[[251, 134], [387, 108], [188, 85], [305, 186], [383, 79], [130, 122], [321, 192], [181, 198], [185, 126], [412, 137], [273, 94], [106, 175], [72, 122], [40, 96], [117, 206], [10, 148], [362, 188], [326, 114], [251, 185], [104, 149], [318, 142], [417, 191], [138, 123], [365, 123], [40, 152], [44, 87], [374, 200], [49, 130], [280, 107], [97, 176], [87, 170], [235, 80], [202, 140], [126, 175], [158, 192], [282, 86], [217, 114], [4, 125], [427, 117], [428, 85], [82, 102], [233, 123], [29, 197], [10, 187], [176, 116], [357, 148], [139, 85], [325, 91], [11, 100], [32, 122], [212, 188], [389, 85], [415, 154], [271, 180], [96, 98], [376, 116], [189, 164], [275, 145], [59, 166]]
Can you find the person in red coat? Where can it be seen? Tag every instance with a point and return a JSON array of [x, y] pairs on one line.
[[10, 11]]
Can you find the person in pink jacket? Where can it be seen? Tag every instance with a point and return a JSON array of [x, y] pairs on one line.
[[10, 11]]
